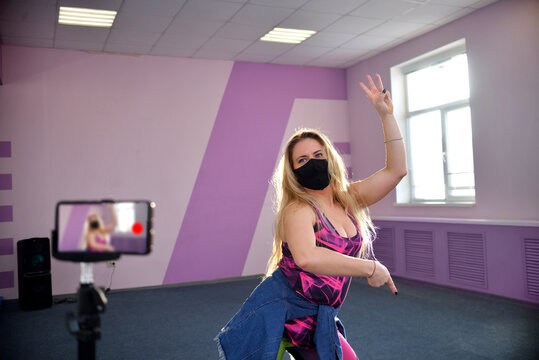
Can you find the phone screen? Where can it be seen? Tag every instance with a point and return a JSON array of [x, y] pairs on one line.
[[101, 227]]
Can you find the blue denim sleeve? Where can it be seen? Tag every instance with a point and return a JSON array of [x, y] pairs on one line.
[[326, 337], [255, 332]]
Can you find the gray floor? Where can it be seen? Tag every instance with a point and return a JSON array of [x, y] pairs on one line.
[[422, 322]]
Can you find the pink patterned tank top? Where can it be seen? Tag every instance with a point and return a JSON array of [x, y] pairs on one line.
[[99, 240], [318, 289]]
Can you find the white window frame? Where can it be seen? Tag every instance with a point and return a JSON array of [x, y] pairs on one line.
[[398, 85], [125, 213]]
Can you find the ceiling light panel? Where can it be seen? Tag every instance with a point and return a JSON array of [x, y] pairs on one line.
[[288, 36], [86, 17]]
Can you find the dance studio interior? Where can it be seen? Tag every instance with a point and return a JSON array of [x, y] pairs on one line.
[[164, 121]]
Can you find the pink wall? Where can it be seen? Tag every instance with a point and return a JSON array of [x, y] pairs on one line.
[[180, 132], [92, 126], [228, 196], [502, 42]]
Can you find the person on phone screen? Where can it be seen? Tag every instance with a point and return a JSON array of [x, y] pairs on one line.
[[97, 234]]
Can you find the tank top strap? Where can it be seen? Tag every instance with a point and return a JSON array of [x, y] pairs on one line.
[[318, 212], [353, 220], [321, 217], [320, 223]]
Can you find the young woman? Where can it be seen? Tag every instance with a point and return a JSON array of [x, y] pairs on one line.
[[323, 238], [97, 235]]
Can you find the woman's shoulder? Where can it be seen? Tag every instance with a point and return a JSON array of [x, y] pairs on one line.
[[300, 209], [297, 205]]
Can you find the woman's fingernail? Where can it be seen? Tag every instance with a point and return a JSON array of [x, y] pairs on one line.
[[396, 293]]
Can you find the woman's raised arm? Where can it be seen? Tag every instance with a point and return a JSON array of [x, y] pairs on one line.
[[378, 185]]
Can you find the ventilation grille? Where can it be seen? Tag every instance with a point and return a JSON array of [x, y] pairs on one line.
[[467, 263], [531, 254], [419, 252], [384, 247]]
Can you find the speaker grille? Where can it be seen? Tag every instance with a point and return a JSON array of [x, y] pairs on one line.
[[419, 252], [531, 254], [35, 292], [467, 263], [34, 255], [34, 276], [384, 247]]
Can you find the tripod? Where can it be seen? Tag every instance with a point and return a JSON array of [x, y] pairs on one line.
[[86, 324]]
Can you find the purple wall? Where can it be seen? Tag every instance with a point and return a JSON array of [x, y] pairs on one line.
[[503, 52], [70, 237], [6, 246], [7, 278], [233, 179], [199, 138], [494, 259], [0, 63]]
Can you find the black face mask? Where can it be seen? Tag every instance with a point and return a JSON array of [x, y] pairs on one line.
[[94, 224], [314, 174]]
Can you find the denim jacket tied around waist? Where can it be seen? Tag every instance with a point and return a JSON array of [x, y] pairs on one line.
[[256, 331]]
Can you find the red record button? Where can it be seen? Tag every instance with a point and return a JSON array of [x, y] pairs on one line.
[[137, 228]]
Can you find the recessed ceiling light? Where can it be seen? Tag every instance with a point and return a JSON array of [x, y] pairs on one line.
[[86, 17], [289, 36]]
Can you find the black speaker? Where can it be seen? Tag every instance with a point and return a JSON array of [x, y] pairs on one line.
[[34, 265]]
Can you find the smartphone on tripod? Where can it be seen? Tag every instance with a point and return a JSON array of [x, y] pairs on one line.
[[94, 231]]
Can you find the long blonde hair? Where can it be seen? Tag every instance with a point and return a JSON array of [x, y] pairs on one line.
[[288, 190]]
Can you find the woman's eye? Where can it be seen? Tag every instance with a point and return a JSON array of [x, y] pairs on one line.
[[319, 155], [301, 161]]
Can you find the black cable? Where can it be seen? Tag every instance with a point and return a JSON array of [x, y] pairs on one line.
[[67, 300]]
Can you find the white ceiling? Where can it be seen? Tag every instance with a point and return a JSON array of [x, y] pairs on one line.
[[348, 30]]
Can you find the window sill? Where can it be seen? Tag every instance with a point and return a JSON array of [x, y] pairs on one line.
[[439, 204], [496, 222]]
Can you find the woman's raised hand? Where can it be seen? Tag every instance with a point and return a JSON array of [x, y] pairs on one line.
[[379, 96], [381, 277]]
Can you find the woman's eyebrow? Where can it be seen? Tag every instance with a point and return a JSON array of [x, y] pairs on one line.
[[314, 153], [301, 156]]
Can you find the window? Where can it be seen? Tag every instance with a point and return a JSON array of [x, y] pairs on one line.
[[433, 97], [125, 213]]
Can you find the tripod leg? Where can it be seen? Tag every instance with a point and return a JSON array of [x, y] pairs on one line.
[[86, 349]]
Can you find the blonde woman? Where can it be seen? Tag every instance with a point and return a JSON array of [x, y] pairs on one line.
[[97, 235], [323, 238]]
